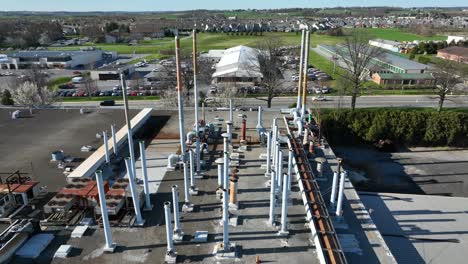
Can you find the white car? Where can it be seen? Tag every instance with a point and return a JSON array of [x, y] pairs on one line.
[[319, 98], [295, 78]]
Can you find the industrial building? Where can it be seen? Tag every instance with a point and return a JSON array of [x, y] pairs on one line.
[[455, 53], [238, 66], [87, 58], [386, 44], [404, 79]]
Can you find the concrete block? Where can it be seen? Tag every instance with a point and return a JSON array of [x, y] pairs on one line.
[[171, 257], [221, 253], [110, 249], [187, 208]]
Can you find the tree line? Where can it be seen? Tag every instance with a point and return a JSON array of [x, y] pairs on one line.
[[24, 34]]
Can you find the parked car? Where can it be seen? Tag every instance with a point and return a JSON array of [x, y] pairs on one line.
[[319, 98], [107, 103]]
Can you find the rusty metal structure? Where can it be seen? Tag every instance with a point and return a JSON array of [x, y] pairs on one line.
[[323, 232]]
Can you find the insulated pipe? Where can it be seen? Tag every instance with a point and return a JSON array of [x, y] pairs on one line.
[[195, 98], [190, 136], [133, 190], [225, 220], [203, 111], [226, 161], [233, 189], [180, 100], [114, 140], [284, 205], [129, 124], [229, 125], [172, 161], [301, 63], [175, 202], [299, 127], [244, 128], [306, 64], [290, 168], [170, 242], [106, 146], [260, 119], [220, 175], [144, 171], [271, 219], [105, 217], [198, 154], [339, 205], [277, 167], [280, 170], [268, 170], [192, 170], [333, 190]]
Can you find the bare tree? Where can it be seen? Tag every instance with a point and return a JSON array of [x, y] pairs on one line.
[[356, 54], [27, 94], [447, 75], [269, 65]]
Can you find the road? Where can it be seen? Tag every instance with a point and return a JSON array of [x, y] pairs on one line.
[[333, 101]]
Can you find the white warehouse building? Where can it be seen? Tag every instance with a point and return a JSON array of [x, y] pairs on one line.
[[386, 44], [84, 58], [238, 66]]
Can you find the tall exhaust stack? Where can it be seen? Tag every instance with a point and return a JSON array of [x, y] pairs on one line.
[[188, 206], [299, 83], [106, 146], [171, 254], [114, 140], [110, 246], [136, 201], [127, 120], [148, 206], [195, 92], [304, 70]]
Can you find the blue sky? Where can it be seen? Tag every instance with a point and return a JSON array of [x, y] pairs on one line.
[[159, 5]]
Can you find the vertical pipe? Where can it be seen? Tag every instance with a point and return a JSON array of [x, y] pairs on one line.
[[192, 170], [284, 205], [268, 170], [333, 190], [105, 218], [339, 205], [226, 161], [195, 96], [271, 219], [231, 114], [233, 190], [260, 118], [144, 171], [106, 146], [170, 242], [301, 63], [175, 202], [129, 125], [225, 220], [114, 140], [180, 99], [220, 175], [133, 190], [290, 168], [229, 125], [306, 64], [244, 128], [203, 111], [277, 167], [280, 170]]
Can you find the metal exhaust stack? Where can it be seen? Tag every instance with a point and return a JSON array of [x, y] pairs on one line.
[[127, 120], [106, 146], [178, 233], [233, 191], [271, 219], [284, 206], [259, 126], [279, 173], [195, 92], [171, 255], [333, 190], [299, 83], [188, 206], [304, 70], [114, 140], [148, 206], [225, 249], [136, 201], [226, 160], [110, 246], [193, 189], [268, 158], [290, 168], [339, 206]]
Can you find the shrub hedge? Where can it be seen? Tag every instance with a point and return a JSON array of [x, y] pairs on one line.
[[408, 128]]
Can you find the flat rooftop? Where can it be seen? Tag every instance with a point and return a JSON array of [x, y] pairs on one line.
[[421, 228], [26, 144]]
